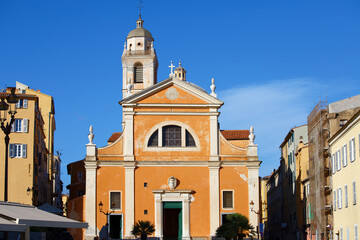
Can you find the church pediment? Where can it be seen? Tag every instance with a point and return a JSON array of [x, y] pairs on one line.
[[172, 91]]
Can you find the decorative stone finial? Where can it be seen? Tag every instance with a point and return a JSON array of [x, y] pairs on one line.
[[129, 87], [179, 62], [171, 72], [252, 136], [91, 135], [213, 87], [124, 46], [172, 182]]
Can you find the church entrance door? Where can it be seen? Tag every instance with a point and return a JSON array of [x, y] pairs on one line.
[[172, 220], [115, 226]]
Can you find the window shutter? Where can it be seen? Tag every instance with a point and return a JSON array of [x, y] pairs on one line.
[[335, 200], [350, 151], [25, 103], [353, 149], [24, 150], [227, 199], [13, 127], [17, 105], [354, 193], [11, 150], [346, 196], [345, 155], [25, 124]]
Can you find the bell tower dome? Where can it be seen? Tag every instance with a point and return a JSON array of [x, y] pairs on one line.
[[139, 60]]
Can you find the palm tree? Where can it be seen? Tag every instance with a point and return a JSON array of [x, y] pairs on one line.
[[236, 227], [143, 229]]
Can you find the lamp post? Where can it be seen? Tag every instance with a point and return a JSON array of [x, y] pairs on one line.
[[11, 99], [107, 213], [258, 215]]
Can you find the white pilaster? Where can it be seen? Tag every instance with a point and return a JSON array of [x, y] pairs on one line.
[[214, 183], [129, 134], [253, 185], [90, 199], [158, 216], [129, 198], [186, 218], [214, 137]]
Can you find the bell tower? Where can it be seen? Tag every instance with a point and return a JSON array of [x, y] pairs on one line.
[[139, 60]]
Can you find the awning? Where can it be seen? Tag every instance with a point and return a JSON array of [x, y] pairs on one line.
[[34, 217], [9, 226]]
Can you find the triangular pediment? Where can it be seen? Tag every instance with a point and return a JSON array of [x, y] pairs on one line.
[[172, 91]]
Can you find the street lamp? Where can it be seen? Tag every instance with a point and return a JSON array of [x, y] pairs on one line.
[[11, 99], [107, 213], [258, 214]]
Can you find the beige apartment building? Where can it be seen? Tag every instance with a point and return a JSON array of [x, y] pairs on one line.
[[345, 156], [31, 154]]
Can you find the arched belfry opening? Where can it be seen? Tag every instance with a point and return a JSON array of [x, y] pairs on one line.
[[138, 73]]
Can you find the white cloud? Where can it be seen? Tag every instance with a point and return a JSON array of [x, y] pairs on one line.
[[273, 109]]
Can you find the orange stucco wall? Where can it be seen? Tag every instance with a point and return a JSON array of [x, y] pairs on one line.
[[184, 97], [235, 178], [191, 178], [143, 125], [109, 179]]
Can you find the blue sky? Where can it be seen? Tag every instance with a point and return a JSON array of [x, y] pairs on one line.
[[271, 60]]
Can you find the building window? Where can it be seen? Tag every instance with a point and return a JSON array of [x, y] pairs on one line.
[[334, 200], [343, 122], [338, 156], [339, 198], [115, 200], [22, 103], [354, 193], [352, 149], [228, 201], [190, 142], [341, 233], [347, 233], [138, 73], [172, 136], [333, 163], [356, 232], [344, 155], [154, 139], [20, 125], [17, 150], [346, 196]]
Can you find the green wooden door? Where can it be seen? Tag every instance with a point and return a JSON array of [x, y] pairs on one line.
[[173, 206]]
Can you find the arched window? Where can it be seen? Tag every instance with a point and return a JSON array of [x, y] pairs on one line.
[[138, 73], [171, 136], [153, 141]]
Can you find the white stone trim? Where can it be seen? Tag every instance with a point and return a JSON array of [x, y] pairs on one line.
[[128, 143], [253, 188], [178, 113], [230, 144], [129, 199], [159, 127], [178, 105], [178, 195], [214, 139], [239, 163], [214, 183], [111, 144], [90, 199]]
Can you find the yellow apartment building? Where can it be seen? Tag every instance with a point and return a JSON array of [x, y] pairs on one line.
[[31, 140], [345, 160], [302, 190]]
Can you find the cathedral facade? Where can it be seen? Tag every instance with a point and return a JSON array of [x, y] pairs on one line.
[[171, 165]]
